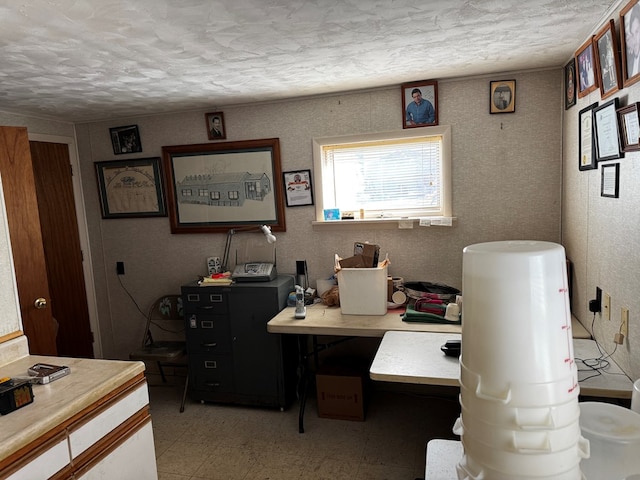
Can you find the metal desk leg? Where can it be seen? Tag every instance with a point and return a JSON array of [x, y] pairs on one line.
[[302, 379]]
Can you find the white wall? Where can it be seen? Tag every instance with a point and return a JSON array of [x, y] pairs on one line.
[[602, 236], [506, 175]]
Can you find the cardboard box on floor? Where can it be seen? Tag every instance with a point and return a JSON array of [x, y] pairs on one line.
[[341, 388]]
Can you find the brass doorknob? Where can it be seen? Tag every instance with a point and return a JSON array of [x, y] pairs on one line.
[[40, 303]]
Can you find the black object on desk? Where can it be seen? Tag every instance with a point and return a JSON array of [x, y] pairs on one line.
[[452, 348]]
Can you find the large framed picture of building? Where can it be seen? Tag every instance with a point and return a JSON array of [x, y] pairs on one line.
[[215, 187]]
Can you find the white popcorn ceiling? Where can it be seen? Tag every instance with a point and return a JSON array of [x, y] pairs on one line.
[[86, 60]]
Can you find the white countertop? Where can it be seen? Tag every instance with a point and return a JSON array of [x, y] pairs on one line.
[[58, 401]]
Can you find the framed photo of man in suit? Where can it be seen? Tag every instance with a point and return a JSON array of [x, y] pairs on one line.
[[215, 126], [630, 42]]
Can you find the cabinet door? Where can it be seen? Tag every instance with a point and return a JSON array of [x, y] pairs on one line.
[[257, 357], [45, 464], [133, 459]]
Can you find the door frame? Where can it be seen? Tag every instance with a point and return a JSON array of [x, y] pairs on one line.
[[83, 232]]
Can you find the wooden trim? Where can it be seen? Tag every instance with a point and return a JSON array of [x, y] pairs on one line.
[[11, 336], [110, 442], [33, 453], [89, 412]]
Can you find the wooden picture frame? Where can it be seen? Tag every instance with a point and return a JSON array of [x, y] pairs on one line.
[[214, 187], [629, 122], [610, 180], [125, 139], [502, 96], [216, 129], [419, 104], [570, 96], [630, 42], [608, 62], [298, 188], [586, 139], [586, 67], [131, 188], [607, 133]]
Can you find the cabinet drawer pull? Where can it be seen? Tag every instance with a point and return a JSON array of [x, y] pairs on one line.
[[210, 345], [213, 384], [210, 364]]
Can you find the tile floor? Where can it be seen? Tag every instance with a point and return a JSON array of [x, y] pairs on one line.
[[224, 442]]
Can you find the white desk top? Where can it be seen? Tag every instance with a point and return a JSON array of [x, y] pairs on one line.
[[323, 320], [415, 357], [442, 458]]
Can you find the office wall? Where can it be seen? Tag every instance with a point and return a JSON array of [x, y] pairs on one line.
[[506, 177], [602, 236]]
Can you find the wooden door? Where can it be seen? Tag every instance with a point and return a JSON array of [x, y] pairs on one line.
[[26, 240], [63, 254]]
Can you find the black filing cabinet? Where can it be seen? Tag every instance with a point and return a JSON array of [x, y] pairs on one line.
[[232, 357]]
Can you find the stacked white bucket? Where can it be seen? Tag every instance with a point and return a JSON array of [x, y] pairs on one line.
[[518, 379]]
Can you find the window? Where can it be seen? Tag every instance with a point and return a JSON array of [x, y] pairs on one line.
[[388, 175]]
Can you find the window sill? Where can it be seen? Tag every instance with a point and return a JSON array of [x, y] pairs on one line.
[[389, 223]]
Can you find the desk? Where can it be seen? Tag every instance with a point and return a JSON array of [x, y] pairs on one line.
[[415, 357], [323, 320]]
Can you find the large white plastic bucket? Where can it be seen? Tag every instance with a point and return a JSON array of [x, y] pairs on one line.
[[533, 464], [523, 418], [516, 322], [614, 435], [517, 392], [468, 469]]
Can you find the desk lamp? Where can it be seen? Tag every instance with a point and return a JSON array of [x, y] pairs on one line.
[[265, 229]]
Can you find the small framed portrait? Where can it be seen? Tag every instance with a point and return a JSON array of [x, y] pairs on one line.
[[586, 65], [629, 127], [298, 188], [125, 139], [215, 126], [419, 104], [630, 42], [502, 96], [606, 46], [570, 84]]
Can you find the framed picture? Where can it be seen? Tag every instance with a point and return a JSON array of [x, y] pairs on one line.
[[215, 126], [131, 188], [586, 140], [586, 64], [570, 84], [606, 47], [419, 104], [607, 134], [297, 187], [502, 96], [610, 180], [214, 187], [630, 42], [125, 139], [629, 127]]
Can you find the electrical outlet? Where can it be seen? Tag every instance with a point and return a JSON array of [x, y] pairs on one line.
[[606, 306], [624, 318]]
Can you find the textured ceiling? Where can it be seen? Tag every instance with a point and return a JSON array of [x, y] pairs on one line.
[[85, 60]]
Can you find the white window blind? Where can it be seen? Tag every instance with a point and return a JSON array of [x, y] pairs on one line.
[[387, 177]]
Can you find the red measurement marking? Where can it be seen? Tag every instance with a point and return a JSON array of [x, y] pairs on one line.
[[562, 290]]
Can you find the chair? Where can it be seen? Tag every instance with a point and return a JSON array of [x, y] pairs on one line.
[[168, 349]]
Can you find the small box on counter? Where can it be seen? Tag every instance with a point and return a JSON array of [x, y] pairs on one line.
[[15, 394]]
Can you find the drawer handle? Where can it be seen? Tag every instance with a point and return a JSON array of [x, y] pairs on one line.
[[206, 307], [210, 345], [213, 384]]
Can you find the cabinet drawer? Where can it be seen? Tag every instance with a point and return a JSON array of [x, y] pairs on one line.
[[211, 373], [211, 341], [205, 301]]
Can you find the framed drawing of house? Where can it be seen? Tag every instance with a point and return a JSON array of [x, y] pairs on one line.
[[215, 187]]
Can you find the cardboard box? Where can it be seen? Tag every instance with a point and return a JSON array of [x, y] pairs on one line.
[[363, 291], [340, 392]]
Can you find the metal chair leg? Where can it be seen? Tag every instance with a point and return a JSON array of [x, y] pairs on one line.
[[184, 394]]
